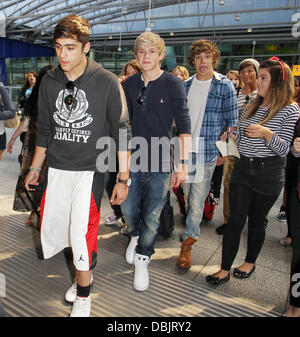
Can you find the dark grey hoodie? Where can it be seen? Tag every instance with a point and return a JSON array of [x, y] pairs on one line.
[[100, 110]]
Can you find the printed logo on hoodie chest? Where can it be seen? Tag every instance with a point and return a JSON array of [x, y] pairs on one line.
[[72, 117]]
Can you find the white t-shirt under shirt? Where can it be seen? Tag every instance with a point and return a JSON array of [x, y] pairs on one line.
[[197, 97]]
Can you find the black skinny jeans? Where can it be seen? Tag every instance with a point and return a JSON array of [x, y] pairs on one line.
[[254, 187]]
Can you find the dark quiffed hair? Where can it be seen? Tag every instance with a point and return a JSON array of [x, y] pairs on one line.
[[73, 27], [31, 106]]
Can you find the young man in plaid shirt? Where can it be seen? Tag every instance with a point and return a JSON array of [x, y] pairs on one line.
[[213, 109]]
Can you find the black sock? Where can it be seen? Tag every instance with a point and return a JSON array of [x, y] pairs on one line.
[[83, 291]]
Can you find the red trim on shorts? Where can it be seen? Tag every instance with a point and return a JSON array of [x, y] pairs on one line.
[[42, 207], [92, 233]]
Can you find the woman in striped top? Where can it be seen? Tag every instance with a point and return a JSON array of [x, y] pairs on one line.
[[265, 132]]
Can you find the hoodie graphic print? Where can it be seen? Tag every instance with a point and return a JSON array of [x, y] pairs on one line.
[[72, 116]]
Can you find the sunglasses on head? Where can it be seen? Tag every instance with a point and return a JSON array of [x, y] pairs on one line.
[[70, 86], [140, 98]]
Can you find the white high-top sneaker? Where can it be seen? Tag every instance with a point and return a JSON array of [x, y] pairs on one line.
[[141, 275], [130, 251], [81, 307], [71, 293]]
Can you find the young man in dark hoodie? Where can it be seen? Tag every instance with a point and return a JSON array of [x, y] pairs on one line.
[[80, 104]]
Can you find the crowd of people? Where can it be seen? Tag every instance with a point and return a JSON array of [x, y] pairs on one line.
[[69, 108]]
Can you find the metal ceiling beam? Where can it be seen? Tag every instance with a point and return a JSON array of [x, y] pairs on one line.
[[65, 10], [110, 12], [206, 14], [95, 22], [30, 13], [132, 6]]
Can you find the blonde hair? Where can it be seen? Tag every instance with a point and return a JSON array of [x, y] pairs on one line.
[[150, 38], [183, 70], [280, 92], [236, 74]]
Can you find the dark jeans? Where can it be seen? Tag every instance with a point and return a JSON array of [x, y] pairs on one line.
[[293, 207], [146, 198], [255, 185]]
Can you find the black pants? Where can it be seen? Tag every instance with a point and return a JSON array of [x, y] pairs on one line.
[[290, 178], [216, 181], [255, 206], [293, 206], [110, 181], [254, 187]]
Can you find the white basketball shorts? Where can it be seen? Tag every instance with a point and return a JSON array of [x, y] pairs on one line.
[[70, 215]]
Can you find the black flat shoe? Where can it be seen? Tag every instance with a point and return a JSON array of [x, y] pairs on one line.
[[216, 281], [242, 274], [221, 229]]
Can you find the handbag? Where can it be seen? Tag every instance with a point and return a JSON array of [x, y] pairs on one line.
[[166, 220], [12, 123]]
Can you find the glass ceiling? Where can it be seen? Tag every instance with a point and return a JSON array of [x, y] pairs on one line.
[[34, 20]]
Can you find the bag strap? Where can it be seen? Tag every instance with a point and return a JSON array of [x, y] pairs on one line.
[[1, 103]]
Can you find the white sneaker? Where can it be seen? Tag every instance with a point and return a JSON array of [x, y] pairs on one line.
[[130, 251], [71, 293], [81, 307], [141, 275]]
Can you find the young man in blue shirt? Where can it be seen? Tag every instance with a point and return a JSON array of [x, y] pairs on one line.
[[155, 99], [212, 106]]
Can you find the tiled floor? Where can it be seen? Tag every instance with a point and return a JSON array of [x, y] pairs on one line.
[[171, 292]]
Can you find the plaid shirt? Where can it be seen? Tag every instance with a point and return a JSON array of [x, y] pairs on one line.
[[220, 112]]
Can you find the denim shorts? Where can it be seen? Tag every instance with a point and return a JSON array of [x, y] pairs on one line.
[[264, 175]]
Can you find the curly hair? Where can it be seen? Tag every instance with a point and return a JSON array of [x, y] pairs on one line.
[[200, 46]]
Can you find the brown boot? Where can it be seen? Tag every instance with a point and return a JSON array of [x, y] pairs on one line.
[[184, 260]]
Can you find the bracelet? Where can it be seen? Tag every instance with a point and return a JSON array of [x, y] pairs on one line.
[[34, 169]]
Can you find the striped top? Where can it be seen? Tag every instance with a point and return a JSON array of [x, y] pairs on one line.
[[243, 100], [282, 124]]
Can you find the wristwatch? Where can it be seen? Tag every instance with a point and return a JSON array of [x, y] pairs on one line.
[[125, 182], [183, 161]]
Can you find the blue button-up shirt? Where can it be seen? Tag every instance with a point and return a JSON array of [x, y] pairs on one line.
[[220, 112]]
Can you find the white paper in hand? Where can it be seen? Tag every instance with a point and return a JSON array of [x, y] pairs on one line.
[[228, 149]]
